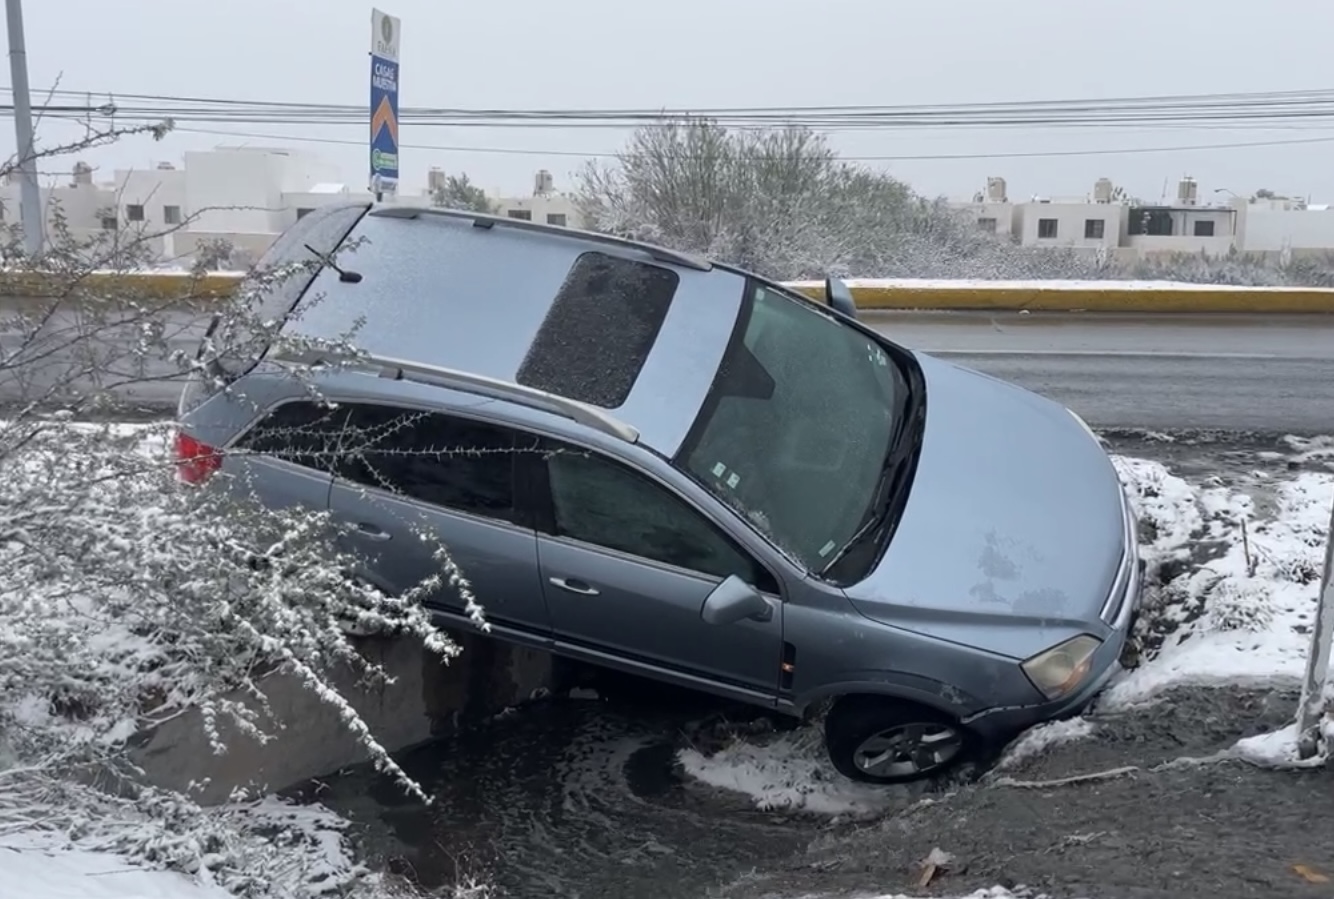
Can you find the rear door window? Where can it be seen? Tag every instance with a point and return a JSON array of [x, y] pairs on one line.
[[599, 330], [443, 460], [303, 433]]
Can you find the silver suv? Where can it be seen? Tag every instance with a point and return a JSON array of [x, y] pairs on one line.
[[667, 466]]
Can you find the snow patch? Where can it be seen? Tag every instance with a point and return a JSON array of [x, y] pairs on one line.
[[1037, 740], [789, 773], [40, 865], [1236, 591]]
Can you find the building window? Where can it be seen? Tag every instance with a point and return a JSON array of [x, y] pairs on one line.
[[522, 215], [987, 224], [108, 223], [171, 215], [303, 211], [1151, 222], [556, 218], [1204, 229], [1094, 229], [1046, 229], [134, 213]]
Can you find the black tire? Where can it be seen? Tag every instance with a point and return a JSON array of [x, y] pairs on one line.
[[856, 720]]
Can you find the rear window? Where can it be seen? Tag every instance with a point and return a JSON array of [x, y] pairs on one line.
[[599, 331], [240, 342]]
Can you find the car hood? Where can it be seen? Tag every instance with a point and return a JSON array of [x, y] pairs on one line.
[[1014, 528]]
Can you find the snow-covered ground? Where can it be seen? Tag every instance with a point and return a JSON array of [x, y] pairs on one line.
[[1233, 584], [35, 866]]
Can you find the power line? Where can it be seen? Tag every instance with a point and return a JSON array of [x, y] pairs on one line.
[[1040, 154], [1178, 110]]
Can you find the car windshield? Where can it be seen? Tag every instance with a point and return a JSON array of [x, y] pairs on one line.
[[798, 427]]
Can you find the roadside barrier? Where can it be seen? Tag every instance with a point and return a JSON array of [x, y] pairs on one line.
[[958, 296]]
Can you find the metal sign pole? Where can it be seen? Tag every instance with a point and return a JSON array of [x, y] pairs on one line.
[[30, 196], [1311, 708]]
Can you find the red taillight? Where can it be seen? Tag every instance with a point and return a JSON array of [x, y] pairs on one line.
[[195, 461]]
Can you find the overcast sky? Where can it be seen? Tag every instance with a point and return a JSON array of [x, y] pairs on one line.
[[699, 53]]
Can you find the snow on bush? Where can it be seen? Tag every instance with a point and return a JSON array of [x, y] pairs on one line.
[[1231, 589], [128, 598], [780, 202]]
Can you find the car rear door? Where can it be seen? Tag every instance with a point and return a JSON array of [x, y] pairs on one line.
[[411, 481], [627, 564]]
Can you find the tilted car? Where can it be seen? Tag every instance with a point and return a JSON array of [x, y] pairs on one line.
[[678, 469]]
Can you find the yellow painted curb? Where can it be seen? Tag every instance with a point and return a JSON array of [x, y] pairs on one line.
[[997, 296], [1111, 298], [166, 286]]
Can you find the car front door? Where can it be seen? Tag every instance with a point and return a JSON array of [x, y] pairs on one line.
[[627, 564], [412, 485]]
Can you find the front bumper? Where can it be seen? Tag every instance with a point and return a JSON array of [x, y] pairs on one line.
[[1119, 613]]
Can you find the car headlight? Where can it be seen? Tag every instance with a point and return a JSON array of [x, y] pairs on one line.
[[1085, 425], [1058, 671]]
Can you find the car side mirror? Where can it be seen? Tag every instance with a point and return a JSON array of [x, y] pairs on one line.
[[734, 600], [839, 297]]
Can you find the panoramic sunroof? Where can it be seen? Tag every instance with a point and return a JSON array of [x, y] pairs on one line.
[[599, 331]]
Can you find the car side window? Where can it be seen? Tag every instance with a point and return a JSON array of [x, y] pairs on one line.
[[446, 461], [304, 433], [604, 503]]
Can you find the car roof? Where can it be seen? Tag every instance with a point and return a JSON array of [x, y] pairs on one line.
[[472, 293]]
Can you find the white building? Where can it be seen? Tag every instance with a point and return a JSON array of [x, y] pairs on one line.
[[244, 196], [546, 205], [1108, 221]]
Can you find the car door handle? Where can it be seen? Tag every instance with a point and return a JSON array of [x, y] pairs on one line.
[[575, 586], [367, 531]]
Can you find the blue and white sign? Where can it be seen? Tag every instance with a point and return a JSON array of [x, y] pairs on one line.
[[384, 100]]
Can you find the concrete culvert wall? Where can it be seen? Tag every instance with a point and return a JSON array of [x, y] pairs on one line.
[[427, 699]]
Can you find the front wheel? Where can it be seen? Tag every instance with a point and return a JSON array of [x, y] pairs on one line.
[[881, 740]]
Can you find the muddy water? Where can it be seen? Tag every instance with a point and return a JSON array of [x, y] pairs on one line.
[[570, 798]]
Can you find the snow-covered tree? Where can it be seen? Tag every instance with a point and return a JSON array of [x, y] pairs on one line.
[[458, 192], [780, 202]]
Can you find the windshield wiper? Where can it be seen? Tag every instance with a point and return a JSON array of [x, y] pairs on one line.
[[885, 487]]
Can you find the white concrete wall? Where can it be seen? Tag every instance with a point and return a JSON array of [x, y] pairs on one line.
[[1271, 230], [82, 205], [1005, 215], [236, 190], [293, 202], [1071, 219], [159, 194], [544, 209]]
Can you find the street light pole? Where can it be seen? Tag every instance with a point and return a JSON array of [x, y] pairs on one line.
[[30, 198], [1311, 708]]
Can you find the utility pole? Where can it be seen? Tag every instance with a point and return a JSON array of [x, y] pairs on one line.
[[1311, 707], [30, 198]]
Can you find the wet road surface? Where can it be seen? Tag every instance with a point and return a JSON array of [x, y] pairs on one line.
[[578, 797], [1236, 372]]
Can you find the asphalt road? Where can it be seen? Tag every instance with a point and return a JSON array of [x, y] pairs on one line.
[[1235, 373], [1227, 372]]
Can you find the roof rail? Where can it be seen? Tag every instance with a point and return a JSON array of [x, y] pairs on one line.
[[483, 220], [479, 385]]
